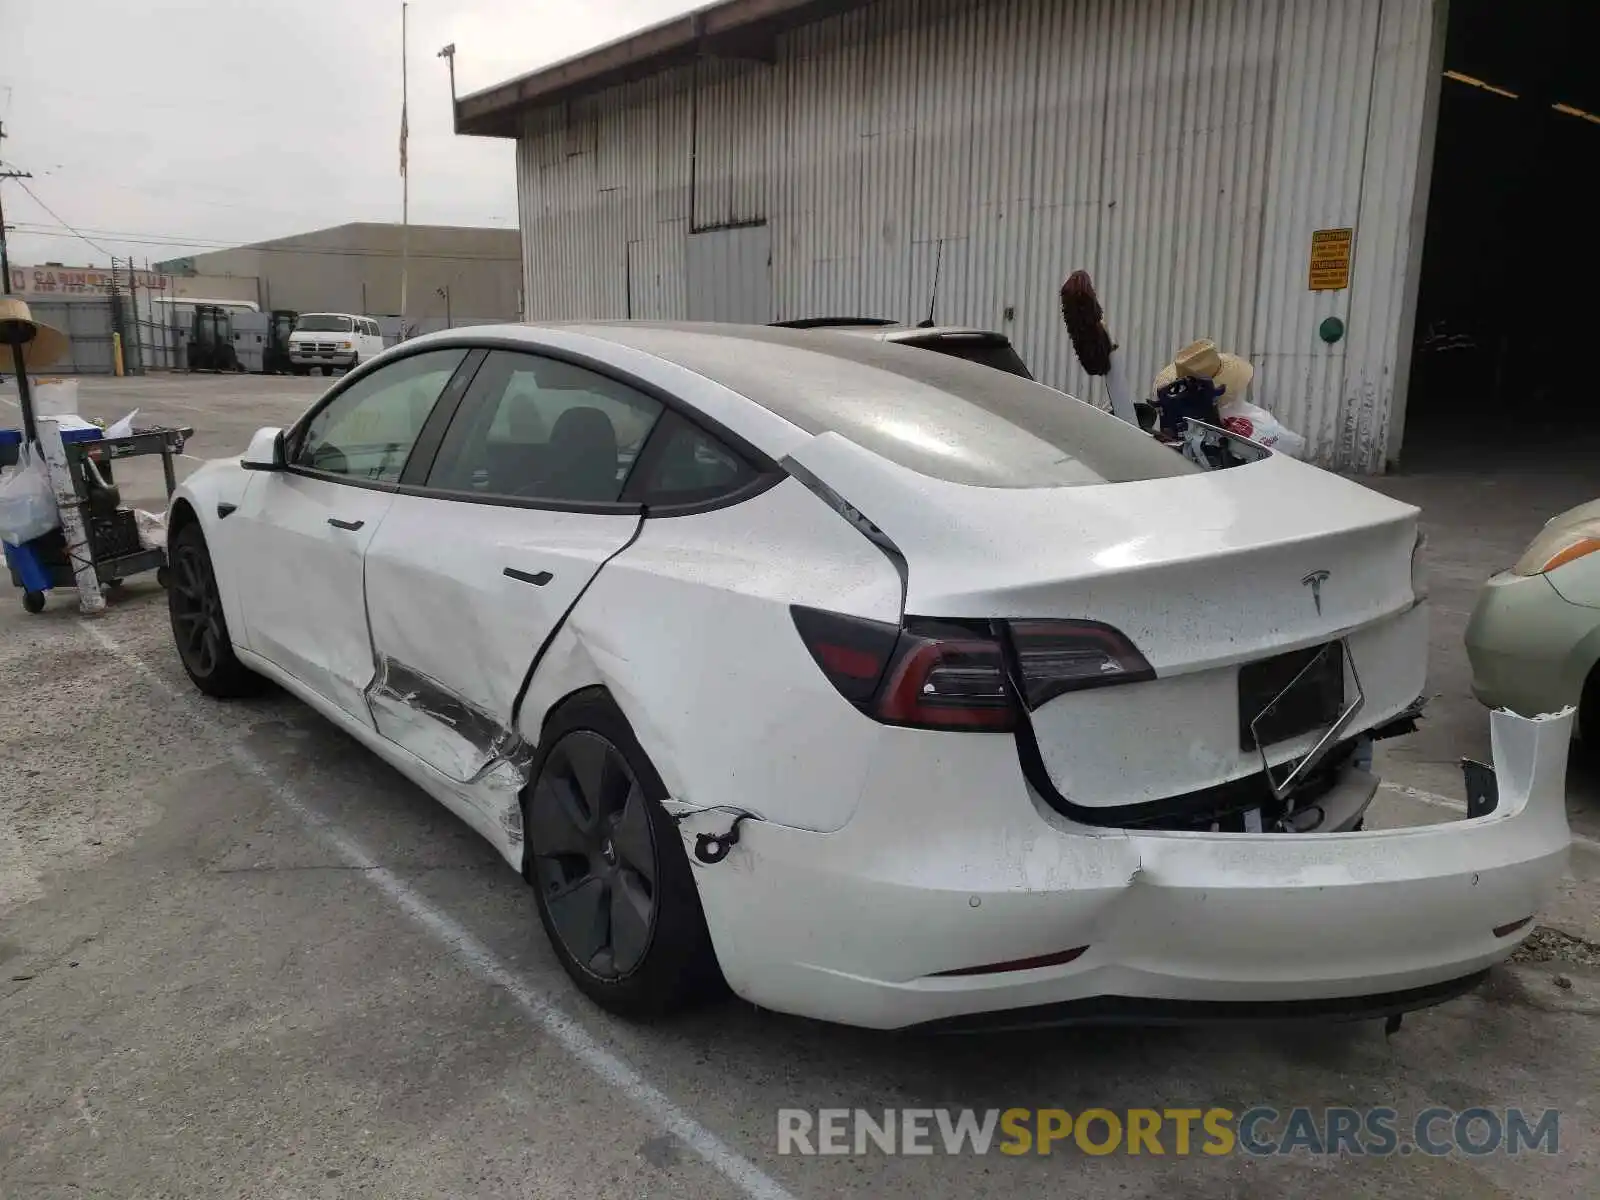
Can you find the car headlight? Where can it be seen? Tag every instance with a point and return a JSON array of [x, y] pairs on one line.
[[346, 345], [1557, 546]]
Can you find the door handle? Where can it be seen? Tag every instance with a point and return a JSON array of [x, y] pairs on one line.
[[539, 580], [338, 524]]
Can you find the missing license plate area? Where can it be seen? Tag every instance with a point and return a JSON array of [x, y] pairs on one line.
[[1314, 703]]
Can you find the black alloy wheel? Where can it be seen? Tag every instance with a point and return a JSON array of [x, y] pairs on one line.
[[199, 627], [196, 611], [595, 859]]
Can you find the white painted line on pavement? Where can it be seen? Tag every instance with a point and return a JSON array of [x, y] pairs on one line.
[[1438, 801], [645, 1096]]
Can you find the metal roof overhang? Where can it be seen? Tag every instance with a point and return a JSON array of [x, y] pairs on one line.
[[733, 29]]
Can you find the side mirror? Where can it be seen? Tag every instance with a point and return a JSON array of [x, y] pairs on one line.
[[265, 451]]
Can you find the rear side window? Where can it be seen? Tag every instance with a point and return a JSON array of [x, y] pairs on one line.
[[686, 465], [537, 428]]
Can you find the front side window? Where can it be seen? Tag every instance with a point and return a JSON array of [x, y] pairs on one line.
[[540, 429], [366, 432]]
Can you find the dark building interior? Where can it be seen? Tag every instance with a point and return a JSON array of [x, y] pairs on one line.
[[1505, 335]]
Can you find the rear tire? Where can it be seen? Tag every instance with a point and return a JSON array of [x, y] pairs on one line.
[[327, 371], [615, 891], [199, 627], [33, 602]]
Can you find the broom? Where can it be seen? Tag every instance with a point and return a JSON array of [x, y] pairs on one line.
[[1097, 353]]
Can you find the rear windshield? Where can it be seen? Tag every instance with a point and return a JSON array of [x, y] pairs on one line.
[[937, 415], [323, 323], [995, 353]]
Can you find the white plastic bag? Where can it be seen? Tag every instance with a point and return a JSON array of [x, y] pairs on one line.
[[1257, 424], [152, 529], [27, 501]]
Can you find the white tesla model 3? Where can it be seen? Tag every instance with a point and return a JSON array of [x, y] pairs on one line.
[[886, 687]]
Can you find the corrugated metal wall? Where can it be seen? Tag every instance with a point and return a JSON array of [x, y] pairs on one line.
[[962, 156], [87, 323]]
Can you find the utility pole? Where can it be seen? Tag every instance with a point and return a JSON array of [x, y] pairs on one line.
[[5, 262]]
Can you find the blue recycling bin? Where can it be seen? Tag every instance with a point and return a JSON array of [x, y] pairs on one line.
[[26, 570]]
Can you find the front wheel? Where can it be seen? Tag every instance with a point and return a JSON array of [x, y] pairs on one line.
[[199, 627], [615, 891]]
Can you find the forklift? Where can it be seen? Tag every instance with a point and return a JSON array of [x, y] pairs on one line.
[[211, 340], [276, 359]]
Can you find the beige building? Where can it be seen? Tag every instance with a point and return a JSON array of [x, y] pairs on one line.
[[356, 268]]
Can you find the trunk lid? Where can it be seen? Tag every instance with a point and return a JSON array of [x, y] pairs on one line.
[[1202, 572]]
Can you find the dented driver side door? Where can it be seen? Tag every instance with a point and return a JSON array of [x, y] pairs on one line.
[[483, 554]]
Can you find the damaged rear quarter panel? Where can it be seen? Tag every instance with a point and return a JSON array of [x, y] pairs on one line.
[[690, 631]]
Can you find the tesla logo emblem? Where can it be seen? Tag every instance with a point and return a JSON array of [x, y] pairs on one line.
[[1314, 581]]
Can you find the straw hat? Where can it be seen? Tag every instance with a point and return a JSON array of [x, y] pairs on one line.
[[1202, 358], [41, 344]]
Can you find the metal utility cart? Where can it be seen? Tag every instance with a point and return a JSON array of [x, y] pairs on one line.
[[44, 563], [97, 541]]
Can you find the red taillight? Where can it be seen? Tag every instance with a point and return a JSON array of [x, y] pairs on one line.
[[953, 681], [943, 674], [851, 651], [1067, 656]]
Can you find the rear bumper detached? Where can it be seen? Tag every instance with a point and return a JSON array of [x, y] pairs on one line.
[[866, 925]]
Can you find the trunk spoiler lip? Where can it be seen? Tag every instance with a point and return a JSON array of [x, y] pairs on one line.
[[835, 469]]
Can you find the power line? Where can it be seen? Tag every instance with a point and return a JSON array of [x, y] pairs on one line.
[[23, 184]]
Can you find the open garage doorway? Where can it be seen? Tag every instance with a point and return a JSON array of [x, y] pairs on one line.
[[1506, 347]]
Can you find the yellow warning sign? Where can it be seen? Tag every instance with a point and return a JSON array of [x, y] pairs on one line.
[[1330, 259]]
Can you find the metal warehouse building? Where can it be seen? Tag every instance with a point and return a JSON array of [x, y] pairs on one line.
[[1241, 169]]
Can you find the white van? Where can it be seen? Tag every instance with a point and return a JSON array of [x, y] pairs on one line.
[[330, 340]]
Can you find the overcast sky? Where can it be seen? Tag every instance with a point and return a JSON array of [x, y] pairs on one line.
[[163, 127]]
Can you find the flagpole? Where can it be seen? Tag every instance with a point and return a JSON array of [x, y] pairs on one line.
[[405, 179]]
